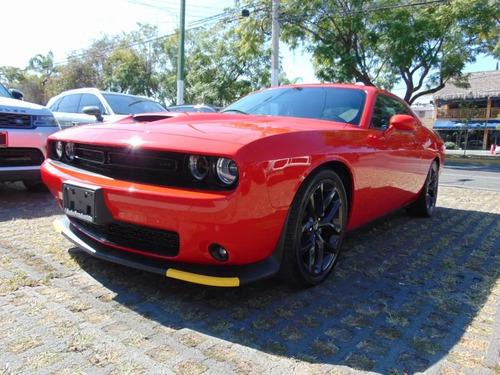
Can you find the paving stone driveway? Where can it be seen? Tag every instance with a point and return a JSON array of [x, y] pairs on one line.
[[409, 295]]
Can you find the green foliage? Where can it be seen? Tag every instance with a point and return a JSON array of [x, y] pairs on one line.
[[222, 66], [450, 145], [223, 63], [383, 42]]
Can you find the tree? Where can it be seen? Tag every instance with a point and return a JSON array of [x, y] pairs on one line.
[[220, 67], [31, 80], [134, 64], [383, 42], [222, 64]]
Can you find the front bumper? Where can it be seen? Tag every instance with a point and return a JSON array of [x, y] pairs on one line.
[[220, 276], [31, 173]]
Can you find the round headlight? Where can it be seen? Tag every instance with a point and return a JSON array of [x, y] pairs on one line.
[[227, 171], [198, 166], [59, 149], [70, 151]]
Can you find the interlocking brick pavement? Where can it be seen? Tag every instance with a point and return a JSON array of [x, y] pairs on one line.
[[409, 295]]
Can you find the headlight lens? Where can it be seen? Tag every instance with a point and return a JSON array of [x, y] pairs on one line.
[[227, 171], [198, 166], [70, 151], [44, 120], [59, 150]]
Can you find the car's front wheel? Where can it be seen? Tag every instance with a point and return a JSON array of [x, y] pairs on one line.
[[315, 229]]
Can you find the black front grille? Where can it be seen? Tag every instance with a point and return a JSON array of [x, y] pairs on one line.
[[15, 120], [131, 164], [20, 157], [153, 167], [134, 237]]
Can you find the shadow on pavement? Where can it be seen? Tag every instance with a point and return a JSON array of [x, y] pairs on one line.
[[402, 296], [17, 203]]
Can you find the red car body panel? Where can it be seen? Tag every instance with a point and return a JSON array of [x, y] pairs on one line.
[[274, 156]]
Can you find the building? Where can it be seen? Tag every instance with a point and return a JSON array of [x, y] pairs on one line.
[[472, 111], [425, 112]]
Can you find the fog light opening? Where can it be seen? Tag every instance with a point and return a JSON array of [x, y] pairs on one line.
[[218, 252]]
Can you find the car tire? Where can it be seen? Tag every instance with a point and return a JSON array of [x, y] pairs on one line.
[[315, 229], [35, 186], [426, 202]]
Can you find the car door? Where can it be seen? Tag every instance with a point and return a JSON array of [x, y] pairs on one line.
[[396, 154], [68, 110]]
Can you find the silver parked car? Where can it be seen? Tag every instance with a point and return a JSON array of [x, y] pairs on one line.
[[90, 105], [24, 128]]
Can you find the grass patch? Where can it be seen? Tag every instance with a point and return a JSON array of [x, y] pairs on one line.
[[162, 354], [323, 348], [24, 344], [43, 360], [189, 368], [424, 345], [220, 353]]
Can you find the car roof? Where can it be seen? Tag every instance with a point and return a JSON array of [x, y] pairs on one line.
[[93, 90]]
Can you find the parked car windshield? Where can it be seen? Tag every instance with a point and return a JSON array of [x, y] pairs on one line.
[[4, 92], [131, 105], [323, 103]]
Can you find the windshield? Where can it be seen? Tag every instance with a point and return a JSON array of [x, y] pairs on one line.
[[131, 105], [323, 103], [4, 92]]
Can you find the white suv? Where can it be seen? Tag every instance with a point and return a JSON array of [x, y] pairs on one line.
[[90, 105], [24, 128]]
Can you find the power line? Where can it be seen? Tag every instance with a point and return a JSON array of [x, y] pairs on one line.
[[193, 25], [234, 15]]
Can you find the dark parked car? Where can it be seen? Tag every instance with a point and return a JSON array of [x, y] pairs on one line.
[[193, 108], [473, 144]]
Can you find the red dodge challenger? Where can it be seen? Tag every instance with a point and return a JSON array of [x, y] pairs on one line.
[[268, 186]]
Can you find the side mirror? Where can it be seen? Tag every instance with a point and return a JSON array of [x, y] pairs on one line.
[[93, 111], [16, 94], [403, 122]]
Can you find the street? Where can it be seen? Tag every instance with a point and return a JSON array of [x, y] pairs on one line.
[[471, 176]]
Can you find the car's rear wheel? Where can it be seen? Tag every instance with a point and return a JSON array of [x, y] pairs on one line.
[[315, 230], [426, 202]]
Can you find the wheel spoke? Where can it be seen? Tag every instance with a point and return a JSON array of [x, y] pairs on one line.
[[307, 227], [320, 247], [329, 198], [318, 202], [331, 213], [309, 241]]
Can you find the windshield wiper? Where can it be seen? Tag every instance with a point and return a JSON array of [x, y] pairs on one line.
[[234, 110]]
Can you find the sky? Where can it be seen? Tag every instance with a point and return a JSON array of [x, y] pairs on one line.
[[32, 27]]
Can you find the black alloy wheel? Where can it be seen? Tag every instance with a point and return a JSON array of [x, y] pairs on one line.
[[316, 227], [426, 202]]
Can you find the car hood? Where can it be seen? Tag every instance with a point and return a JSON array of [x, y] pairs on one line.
[[9, 105], [193, 132]]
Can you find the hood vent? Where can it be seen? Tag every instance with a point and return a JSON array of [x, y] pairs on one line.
[[151, 117]]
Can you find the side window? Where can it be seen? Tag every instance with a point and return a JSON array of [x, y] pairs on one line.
[[69, 103], [55, 106], [90, 100], [385, 108]]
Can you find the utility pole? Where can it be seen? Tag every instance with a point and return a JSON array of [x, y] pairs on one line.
[[275, 54], [180, 57]]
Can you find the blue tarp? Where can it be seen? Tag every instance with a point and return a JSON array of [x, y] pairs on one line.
[[457, 125]]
